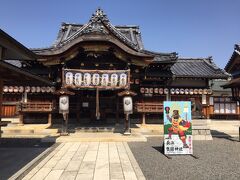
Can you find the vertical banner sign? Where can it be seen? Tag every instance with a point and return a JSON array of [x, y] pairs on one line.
[[177, 127]]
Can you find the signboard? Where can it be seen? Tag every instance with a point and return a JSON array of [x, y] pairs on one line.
[[177, 127], [101, 79]]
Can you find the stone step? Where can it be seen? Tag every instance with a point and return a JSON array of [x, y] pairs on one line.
[[24, 131], [93, 129]]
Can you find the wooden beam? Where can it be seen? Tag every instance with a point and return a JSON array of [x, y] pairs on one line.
[[1, 100], [1, 53]]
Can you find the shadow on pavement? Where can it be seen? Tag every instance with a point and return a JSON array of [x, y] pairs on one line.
[[159, 149], [15, 153], [219, 134]]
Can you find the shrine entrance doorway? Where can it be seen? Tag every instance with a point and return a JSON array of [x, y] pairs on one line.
[[88, 109]]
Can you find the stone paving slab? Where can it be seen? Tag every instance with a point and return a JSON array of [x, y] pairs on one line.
[[88, 160]]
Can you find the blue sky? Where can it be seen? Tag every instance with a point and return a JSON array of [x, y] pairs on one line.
[[191, 28]]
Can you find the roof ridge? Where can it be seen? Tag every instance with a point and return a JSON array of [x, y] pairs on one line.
[[191, 58], [98, 17]]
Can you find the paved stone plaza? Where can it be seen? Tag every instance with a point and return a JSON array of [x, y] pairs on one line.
[[88, 160]]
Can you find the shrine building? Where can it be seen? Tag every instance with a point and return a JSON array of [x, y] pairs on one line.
[[98, 61]]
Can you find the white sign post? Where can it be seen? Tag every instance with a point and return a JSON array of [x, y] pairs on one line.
[[128, 109], [64, 110]]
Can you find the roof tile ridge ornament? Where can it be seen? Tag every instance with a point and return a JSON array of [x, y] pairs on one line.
[[94, 25], [99, 16]]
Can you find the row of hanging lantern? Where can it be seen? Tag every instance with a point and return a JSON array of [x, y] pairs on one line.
[[28, 89], [174, 91]]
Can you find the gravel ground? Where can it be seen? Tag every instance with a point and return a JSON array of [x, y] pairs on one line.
[[218, 159]]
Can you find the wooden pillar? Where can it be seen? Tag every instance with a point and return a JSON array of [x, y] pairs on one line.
[[21, 118], [144, 119], [50, 119], [1, 99], [117, 110], [78, 111]]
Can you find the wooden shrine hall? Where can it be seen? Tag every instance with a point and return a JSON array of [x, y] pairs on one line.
[[97, 61]]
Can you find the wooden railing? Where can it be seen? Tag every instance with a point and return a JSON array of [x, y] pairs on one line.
[[147, 107], [40, 107]]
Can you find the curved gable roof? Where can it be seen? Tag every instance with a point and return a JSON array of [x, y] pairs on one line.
[[99, 23]]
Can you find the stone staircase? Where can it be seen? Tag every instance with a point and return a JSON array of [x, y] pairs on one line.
[[36, 130], [201, 129]]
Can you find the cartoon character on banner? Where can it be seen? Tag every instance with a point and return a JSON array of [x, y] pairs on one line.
[[96, 79], [87, 79], [179, 126], [105, 79], [69, 78], [123, 79], [78, 79], [114, 79]]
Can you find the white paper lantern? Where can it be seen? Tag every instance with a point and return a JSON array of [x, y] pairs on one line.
[[205, 91], [209, 91], [43, 89], [123, 80], [5, 89], [63, 104], [95, 79], [181, 91], [146, 90], [156, 90], [10, 89], [177, 91], [33, 89], [186, 91], [191, 91], [48, 89], [142, 90], [105, 79], [160, 90], [69, 78], [53, 89], [87, 79], [38, 89], [114, 79], [127, 105], [150, 90], [195, 91], [21, 89], [172, 91], [166, 91], [78, 79], [27, 89], [15, 89]]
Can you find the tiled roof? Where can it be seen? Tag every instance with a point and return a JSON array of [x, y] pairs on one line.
[[199, 68], [236, 53], [20, 73], [130, 35]]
